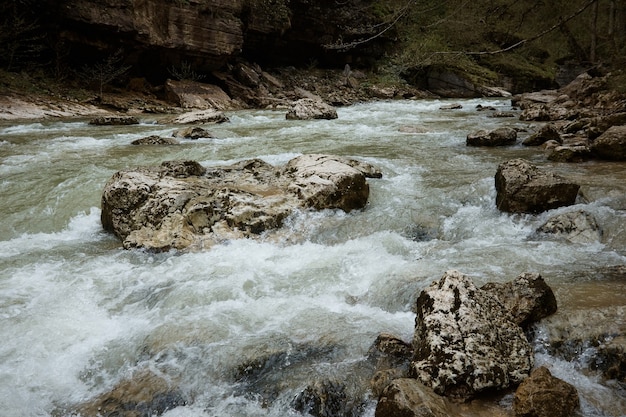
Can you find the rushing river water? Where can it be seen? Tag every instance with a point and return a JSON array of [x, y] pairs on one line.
[[78, 314]]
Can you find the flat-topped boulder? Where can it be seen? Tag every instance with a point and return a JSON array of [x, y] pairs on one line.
[[211, 116], [181, 204], [114, 121], [154, 140], [502, 136], [522, 187], [310, 108]]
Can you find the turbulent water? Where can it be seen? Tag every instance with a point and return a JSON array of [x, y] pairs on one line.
[[79, 314]]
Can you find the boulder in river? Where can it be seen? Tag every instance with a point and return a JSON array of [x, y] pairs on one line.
[[193, 133], [611, 145], [181, 204], [576, 153], [409, 397], [502, 136], [528, 298], [325, 398], [307, 109], [576, 226], [546, 133], [154, 140], [521, 187], [198, 117], [114, 121], [145, 394], [465, 342], [543, 395]]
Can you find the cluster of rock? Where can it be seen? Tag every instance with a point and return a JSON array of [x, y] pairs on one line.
[[468, 341], [585, 120], [181, 204]]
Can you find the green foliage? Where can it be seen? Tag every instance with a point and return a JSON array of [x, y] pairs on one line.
[[462, 35], [276, 12]]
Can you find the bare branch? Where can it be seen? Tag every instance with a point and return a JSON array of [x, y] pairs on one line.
[[345, 46], [524, 41]]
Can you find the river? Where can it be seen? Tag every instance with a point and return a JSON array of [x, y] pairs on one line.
[[78, 313]]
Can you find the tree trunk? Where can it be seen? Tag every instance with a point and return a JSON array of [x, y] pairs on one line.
[[594, 32]]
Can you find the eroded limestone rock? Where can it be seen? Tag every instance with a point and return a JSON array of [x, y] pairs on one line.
[[154, 140], [465, 341], [181, 204], [307, 109], [528, 298], [523, 188], [499, 137], [611, 144], [576, 226]]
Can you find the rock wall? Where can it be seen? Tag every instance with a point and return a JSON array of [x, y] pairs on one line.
[[155, 34]]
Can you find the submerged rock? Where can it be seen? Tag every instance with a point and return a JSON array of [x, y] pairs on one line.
[[543, 395], [154, 140], [325, 399], [181, 204], [465, 342], [143, 395], [523, 188], [114, 121], [577, 227]]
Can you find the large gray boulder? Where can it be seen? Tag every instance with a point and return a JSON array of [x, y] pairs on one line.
[[181, 204], [611, 144], [309, 108], [502, 136], [465, 341], [523, 188]]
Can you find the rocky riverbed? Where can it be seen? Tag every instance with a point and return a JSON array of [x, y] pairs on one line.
[[452, 362]]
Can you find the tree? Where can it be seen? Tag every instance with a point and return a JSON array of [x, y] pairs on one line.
[[20, 35], [105, 71]]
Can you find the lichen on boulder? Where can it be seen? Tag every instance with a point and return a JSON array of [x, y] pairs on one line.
[[465, 341]]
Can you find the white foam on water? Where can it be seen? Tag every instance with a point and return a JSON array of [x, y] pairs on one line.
[[79, 314]]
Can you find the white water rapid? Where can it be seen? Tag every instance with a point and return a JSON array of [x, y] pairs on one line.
[[78, 314]]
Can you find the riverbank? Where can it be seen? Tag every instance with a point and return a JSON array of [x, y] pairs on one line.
[[246, 86]]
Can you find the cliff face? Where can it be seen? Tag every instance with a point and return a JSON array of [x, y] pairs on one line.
[[209, 30], [209, 33]]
